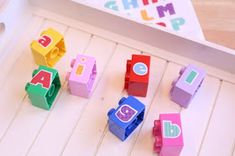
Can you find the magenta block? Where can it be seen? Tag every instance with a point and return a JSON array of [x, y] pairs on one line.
[[168, 135], [186, 85], [81, 78]]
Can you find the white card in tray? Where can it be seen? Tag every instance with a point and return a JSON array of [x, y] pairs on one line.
[[175, 15]]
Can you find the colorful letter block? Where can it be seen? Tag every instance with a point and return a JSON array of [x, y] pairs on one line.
[[137, 75], [124, 120], [81, 78], [168, 135], [44, 87], [186, 85], [49, 48]]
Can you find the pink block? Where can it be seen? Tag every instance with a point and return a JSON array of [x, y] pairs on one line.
[[81, 78], [168, 135]]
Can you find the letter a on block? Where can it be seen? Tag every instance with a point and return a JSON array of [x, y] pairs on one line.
[[45, 41], [42, 77]]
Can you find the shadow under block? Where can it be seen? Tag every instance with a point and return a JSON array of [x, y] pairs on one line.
[[44, 87], [49, 48]]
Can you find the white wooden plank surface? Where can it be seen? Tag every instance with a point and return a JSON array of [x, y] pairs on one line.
[[17, 50], [29, 119], [65, 114], [110, 143], [220, 137], [78, 126], [91, 125], [14, 74], [160, 104], [196, 117]]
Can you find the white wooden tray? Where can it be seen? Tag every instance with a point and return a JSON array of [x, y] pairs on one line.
[[78, 126]]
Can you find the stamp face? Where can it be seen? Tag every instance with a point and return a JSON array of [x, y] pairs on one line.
[[171, 130], [191, 77], [125, 113], [140, 68], [45, 41]]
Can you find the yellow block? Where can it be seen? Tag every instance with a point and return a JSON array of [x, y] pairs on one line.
[[49, 48]]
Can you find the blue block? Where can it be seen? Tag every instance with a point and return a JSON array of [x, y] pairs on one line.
[[124, 120]]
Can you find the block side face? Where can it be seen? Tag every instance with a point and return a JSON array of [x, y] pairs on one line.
[[137, 89], [37, 100], [92, 78], [171, 151], [134, 124], [53, 91], [116, 130], [180, 97], [38, 58], [78, 89], [171, 128]]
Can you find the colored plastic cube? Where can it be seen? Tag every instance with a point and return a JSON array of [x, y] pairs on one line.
[[137, 75], [44, 87], [186, 85], [168, 135], [81, 78], [124, 120], [49, 48]]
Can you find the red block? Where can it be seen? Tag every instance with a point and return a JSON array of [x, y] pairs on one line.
[[137, 75]]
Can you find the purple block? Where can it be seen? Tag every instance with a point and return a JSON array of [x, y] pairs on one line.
[[82, 76], [186, 85]]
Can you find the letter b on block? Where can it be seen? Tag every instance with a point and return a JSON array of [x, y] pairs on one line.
[[170, 130]]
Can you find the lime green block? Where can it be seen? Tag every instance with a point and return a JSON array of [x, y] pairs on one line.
[[40, 96]]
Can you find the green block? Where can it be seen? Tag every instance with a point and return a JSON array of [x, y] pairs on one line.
[[44, 87]]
